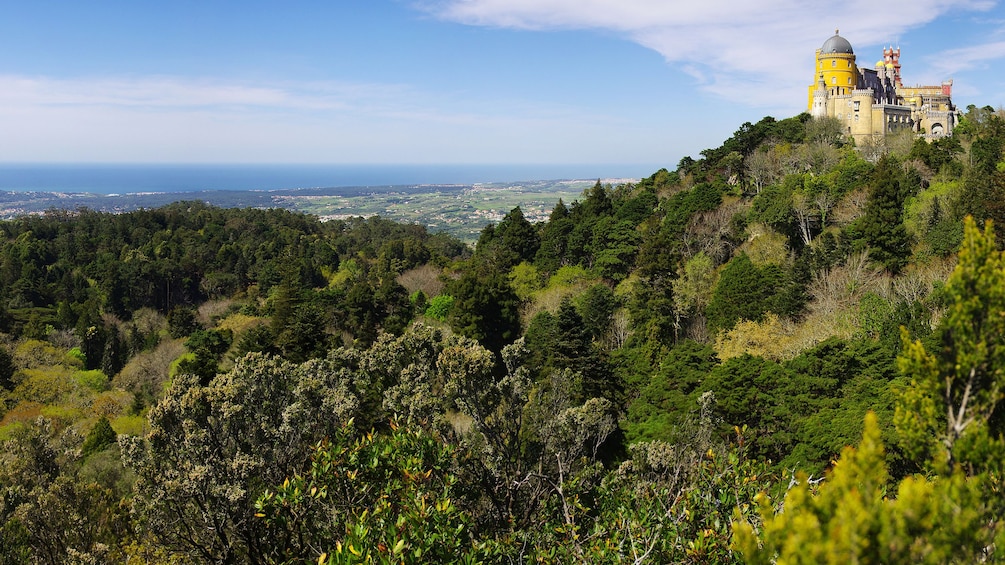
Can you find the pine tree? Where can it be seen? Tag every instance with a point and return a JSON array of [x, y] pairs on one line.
[[882, 227]]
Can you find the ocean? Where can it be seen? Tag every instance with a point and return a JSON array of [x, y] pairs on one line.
[[144, 178]]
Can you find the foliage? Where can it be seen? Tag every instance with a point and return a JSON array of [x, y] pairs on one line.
[[881, 227], [101, 436], [485, 308], [962, 377], [370, 498], [672, 503], [439, 307], [596, 307], [667, 397], [746, 292], [48, 515], [693, 290], [211, 449], [511, 242], [7, 369], [852, 517], [525, 280]]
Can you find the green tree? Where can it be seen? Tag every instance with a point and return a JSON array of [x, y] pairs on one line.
[[517, 235], [853, 517], [831, 388], [752, 392], [824, 130], [574, 350], [485, 308], [664, 402], [182, 321], [671, 502], [597, 306], [7, 369], [206, 347], [745, 291], [525, 280], [552, 252], [49, 513], [951, 412], [692, 291], [613, 247], [882, 226], [305, 336], [101, 436]]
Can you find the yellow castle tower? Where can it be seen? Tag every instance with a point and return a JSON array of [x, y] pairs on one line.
[[836, 67]]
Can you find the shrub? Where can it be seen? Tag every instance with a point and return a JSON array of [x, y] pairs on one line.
[[439, 307]]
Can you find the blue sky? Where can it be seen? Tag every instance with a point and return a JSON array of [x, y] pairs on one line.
[[641, 82]]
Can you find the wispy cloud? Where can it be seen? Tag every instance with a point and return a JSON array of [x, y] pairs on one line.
[[190, 119], [954, 61], [188, 93], [745, 52]]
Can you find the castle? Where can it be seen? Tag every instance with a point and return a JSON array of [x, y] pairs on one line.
[[871, 103]]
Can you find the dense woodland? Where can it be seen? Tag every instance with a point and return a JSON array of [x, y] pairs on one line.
[[790, 349]]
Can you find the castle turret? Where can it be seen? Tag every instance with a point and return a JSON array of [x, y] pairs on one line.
[[818, 99], [891, 57]]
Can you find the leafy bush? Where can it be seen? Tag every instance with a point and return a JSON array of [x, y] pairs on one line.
[[371, 498], [95, 380], [439, 307]]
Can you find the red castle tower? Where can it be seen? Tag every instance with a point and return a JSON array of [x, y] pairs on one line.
[[891, 56]]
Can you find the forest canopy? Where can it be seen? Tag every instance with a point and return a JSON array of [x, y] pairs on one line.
[[788, 330]]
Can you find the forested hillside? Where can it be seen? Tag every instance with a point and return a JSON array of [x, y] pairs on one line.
[[649, 376]]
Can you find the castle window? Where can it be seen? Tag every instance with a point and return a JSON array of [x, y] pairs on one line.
[[834, 80], [834, 63]]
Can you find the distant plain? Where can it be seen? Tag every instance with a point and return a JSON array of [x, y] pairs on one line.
[[461, 210]]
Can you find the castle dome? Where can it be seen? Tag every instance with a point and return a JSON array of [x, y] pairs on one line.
[[836, 44]]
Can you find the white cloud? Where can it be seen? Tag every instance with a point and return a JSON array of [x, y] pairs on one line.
[[750, 52]]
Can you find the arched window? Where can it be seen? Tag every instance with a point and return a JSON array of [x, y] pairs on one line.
[[834, 63], [834, 80]]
